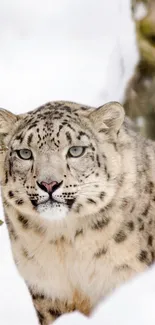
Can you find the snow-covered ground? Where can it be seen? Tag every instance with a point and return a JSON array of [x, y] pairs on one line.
[[62, 49]]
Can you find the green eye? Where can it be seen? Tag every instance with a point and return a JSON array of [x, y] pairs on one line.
[[25, 154], [76, 151]]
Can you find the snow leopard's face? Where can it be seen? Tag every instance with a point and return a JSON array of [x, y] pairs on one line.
[[62, 158]]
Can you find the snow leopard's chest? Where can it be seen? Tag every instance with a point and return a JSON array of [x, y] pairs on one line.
[[91, 265]]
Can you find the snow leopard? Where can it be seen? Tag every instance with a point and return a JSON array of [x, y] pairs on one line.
[[78, 191]]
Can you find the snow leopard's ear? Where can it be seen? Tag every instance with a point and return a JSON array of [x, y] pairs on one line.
[[108, 118], [7, 123]]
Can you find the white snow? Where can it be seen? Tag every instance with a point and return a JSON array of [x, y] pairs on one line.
[[63, 49], [140, 11], [83, 51]]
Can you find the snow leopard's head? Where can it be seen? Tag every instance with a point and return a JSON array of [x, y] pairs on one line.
[[60, 158]]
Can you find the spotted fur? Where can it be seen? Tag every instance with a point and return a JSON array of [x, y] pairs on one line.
[[97, 229]]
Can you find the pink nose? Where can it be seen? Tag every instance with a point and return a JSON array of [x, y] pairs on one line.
[[49, 186]]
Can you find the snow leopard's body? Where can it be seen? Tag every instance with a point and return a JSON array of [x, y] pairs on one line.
[[98, 230]]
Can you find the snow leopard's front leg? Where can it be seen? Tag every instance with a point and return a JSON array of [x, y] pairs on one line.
[[48, 310]]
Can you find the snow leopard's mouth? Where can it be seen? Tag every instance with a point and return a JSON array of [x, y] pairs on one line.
[[52, 202], [52, 209]]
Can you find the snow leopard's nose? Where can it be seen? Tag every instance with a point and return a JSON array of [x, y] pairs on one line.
[[48, 187]]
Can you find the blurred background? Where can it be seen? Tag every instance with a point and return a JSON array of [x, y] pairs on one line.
[[85, 51], [140, 94]]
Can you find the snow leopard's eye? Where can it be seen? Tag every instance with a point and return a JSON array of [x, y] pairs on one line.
[[76, 151], [25, 154]]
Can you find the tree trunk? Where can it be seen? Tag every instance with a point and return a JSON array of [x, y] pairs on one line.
[[140, 93]]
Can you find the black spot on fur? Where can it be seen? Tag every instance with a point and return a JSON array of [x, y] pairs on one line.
[[98, 161], [91, 201], [32, 126], [130, 225], [58, 241], [81, 134], [70, 126], [54, 312], [125, 203], [121, 180], [143, 256], [69, 138], [115, 146], [122, 267], [92, 147], [32, 168], [13, 234], [102, 195], [23, 221], [6, 203], [67, 108], [151, 186], [29, 140], [153, 256], [10, 194], [132, 209], [150, 240], [11, 229], [145, 213], [100, 252], [40, 317], [141, 228], [37, 296], [10, 167], [79, 232], [25, 253], [68, 167], [106, 172], [6, 177], [120, 236], [84, 108], [19, 137], [100, 224], [19, 201]]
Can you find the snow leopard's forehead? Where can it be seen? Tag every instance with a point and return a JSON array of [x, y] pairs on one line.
[[52, 119], [58, 111]]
